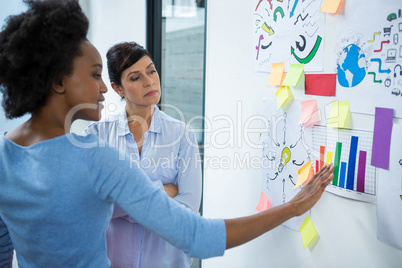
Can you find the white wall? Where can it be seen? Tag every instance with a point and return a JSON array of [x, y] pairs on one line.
[[8, 8], [234, 91], [113, 22]]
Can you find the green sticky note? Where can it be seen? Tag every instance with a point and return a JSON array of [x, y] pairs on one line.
[[308, 231], [339, 115], [292, 78]]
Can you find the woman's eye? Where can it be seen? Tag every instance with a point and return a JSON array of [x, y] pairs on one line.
[[134, 78], [152, 71], [97, 76]]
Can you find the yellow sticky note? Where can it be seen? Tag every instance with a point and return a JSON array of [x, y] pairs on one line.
[[277, 74], [264, 203], [305, 174], [309, 114], [330, 6], [308, 231], [329, 157], [292, 78], [339, 114], [282, 95]]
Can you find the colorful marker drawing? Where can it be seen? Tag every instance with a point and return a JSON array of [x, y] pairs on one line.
[[308, 24], [270, 4], [267, 46], [383, 42], [301, 47], [379, 66], [280, 10], [379, 69], [311, 35], [259, 2], [294, 7], [374, 34], [281, 24], [300, 16], [375, 81], [268, 29], [310, 56], [259, 44], [284, 151]]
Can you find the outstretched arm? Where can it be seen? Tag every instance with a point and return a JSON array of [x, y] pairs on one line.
[[242, 230]]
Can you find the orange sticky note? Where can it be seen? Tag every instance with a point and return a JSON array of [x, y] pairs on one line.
[[308, 231], [309, 113], [264, 203], [305, 174], [277, 74], [330, 6]]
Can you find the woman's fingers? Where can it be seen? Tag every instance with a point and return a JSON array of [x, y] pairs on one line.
[[311, 193], [323, 176]]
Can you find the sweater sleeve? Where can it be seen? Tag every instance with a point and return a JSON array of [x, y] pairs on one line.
[[127, 185], [6, 246]]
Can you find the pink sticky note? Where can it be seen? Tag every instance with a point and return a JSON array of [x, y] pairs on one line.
[[264, 203], [382, 137], [309, 113], [320, 84]]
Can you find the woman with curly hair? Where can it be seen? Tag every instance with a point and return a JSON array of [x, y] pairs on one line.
[[57, 188]]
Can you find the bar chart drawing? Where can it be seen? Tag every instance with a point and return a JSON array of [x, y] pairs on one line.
[[350, 151]]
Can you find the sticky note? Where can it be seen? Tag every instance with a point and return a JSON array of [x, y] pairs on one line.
[[264, 203], [306, 172], [308, 231], [382, 137], [277, 74], [295, 76], [339, 114], [282, 95], [330, 6], [320, 84], [309, 114]]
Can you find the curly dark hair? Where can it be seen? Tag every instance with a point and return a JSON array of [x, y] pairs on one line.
[[121, 56], [37, 49]]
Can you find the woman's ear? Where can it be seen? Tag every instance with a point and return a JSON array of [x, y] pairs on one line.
[[118, 89], [58, 87]]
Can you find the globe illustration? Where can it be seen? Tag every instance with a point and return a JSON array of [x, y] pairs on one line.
[[351, 66]]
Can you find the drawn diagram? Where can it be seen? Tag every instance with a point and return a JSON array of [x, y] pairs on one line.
[[350, 151], [352, 63], [369, 56], [386, 54], [284, 152], [295, 29]]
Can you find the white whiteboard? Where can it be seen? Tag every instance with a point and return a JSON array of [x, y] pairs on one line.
[[347, 228]]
